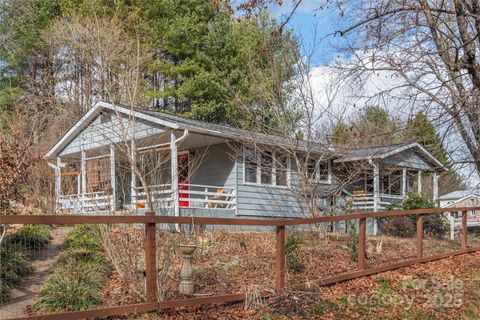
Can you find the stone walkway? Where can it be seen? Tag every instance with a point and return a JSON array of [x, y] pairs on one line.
[[42, 261]]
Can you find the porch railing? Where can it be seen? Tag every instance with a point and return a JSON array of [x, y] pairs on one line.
[[363, 202], [205, 196], [455, 221], [189, 195], [85, 202]]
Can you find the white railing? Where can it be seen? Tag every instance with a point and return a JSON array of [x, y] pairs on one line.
[[205, 196], [86, 202], [365, 202], [189, 196], [161, 196], [455, 221]]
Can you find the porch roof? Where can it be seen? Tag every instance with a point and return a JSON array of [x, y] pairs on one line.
[[459, 194], [387, 151]]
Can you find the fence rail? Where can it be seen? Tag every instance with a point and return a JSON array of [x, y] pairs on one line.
[[150, 221]]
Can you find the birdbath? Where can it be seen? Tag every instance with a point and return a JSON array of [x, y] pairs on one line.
[[186, 283]]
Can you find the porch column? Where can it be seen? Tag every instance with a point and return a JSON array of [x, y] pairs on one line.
[[174, 173], [83, 172], [404, 183], [58, 184], [133, 179], [376, 194], [435, 186], [113, 183], [419, 181]]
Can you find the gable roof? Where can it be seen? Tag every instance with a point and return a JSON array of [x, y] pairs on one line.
[[459, 194], [382, 152], [456, 202], [177, 122]]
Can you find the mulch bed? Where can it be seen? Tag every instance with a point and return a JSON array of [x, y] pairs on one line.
[[234, 262]]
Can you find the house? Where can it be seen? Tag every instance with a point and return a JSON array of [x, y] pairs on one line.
[[119, 158], [461, 198]]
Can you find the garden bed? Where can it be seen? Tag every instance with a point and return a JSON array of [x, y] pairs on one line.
[[233, 262]]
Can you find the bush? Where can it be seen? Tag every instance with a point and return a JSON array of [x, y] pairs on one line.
[[352, 243], [433, 224], [400, 226], [295, 264], [292, 242], [78, 276], [85, 237], [14, 265], [293, 260], [69, 288], [30, 236]]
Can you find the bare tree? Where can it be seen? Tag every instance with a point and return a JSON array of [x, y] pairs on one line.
[[298, 141], [430, 49]]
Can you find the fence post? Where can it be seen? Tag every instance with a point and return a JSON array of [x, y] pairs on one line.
[[419, 236], [362, 237], [280, 259], [150, 260], [464, 229]]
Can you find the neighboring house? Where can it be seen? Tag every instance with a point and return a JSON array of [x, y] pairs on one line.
[[461, 198], [117, 158]]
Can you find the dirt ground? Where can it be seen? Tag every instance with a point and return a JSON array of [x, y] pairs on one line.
[[42, 261], [444, 289], [234, 262]]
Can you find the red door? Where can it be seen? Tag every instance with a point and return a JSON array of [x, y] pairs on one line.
[[183, 180]]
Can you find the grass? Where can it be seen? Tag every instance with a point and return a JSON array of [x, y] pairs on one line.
[[14, 255], [30, 236], [78, 276], [14, 266]]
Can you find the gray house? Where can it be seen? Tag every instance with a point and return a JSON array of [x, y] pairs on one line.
[[118, 158]]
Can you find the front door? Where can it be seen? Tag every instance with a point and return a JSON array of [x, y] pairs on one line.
[[183, 179]]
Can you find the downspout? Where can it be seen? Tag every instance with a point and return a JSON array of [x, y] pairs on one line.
[[173, 146], [376, 191]]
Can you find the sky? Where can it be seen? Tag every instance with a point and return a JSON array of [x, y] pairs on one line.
[[314, 27]]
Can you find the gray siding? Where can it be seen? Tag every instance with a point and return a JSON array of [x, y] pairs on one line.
[[271, 201], [408, 159], [119, 129], [213, 166]]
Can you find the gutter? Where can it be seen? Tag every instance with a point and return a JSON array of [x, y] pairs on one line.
[[176, 204]]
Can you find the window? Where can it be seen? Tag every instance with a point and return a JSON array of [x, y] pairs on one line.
[[317, 170], [250, 162], [281, 169], [323, 171], [265, 168]]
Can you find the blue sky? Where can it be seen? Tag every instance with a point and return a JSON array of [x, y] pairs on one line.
[[314, 27]]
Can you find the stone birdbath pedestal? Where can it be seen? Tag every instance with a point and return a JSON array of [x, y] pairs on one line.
[[186, 283]]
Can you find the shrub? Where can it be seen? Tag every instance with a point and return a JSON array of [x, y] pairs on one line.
[[30, 236], [83, 236], [417, 200], [433, 224], [352, 243], [14, 265], [295, 264], [69, 288], [400, 226], [293, 261], [78, 276], [292, 242]]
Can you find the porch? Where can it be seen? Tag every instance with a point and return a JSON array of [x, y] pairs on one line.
[[382, 176], [380, 191], [170, 172]]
